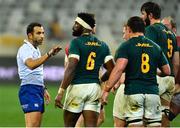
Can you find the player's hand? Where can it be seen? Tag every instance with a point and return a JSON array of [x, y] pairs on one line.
[[58, 100], [47, 97], [54, 50], [104, 98], [113, 90], [115, 87]]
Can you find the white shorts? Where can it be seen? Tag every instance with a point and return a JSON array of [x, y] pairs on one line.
[[81, 97], [166, 87], [139, 106], [118, 106]]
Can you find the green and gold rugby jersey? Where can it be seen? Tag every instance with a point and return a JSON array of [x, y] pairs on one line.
[[165, 38], [144, 56], [91, 54]]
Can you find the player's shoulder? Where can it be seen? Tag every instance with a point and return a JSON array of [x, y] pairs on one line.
[[124, 45], [151, 28], [155, 27], [155, 45], [100, 43], [74, 43], [78, 40], [128, 42], [75, 40], [103, 43], [148, 40]]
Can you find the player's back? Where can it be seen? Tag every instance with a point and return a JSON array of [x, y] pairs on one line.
[[144, 56], [92, 53], [165, 38]]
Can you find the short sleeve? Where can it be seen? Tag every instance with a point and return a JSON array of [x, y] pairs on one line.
[[25, 53], [162, 60], [122, 51], [108, 55], [151, 33], [74, 50]]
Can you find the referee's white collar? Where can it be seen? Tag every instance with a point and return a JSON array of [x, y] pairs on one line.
[[30, 45]]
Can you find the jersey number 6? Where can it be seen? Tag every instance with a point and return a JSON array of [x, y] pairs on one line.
[[90, 61]]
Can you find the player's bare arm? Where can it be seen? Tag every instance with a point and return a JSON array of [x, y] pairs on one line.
[[114, 77], [68, 76], [175, 62], [109, 66]]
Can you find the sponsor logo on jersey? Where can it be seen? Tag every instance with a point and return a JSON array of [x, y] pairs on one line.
[[143, 45], [92, 44]]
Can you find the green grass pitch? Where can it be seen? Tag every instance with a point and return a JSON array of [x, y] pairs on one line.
[[11, 114]]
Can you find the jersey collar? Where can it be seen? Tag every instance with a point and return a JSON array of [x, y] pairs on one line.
[[30, 45]]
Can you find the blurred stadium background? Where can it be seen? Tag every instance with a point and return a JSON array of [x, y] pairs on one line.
[[15, 15]]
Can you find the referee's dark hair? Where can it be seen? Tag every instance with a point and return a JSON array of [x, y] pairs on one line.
[[30, 27]]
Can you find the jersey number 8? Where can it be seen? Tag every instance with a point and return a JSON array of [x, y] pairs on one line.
[[144, 64]]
